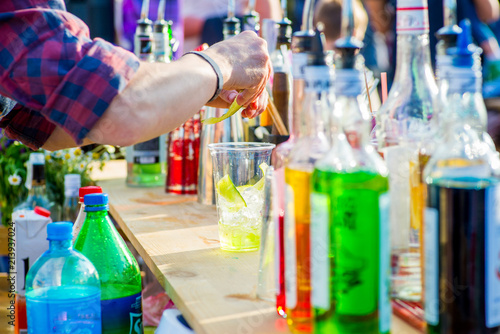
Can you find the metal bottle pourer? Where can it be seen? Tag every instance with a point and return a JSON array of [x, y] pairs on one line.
[[143, 38], [162, 29], [284, 27], [302, 40], [251, 20], [448, 34], [232, 25], [348, 45]]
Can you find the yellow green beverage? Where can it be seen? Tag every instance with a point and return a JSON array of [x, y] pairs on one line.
[[350, 252]]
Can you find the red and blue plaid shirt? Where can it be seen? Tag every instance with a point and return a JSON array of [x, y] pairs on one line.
[[55, 72]]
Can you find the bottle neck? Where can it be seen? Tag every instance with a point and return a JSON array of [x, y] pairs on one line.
[[350, 117], [37, 190], [59, 245], [413, 60], [317, 93]]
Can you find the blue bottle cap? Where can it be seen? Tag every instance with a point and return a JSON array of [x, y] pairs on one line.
[[464, 51], [60, 231], [96, 199]]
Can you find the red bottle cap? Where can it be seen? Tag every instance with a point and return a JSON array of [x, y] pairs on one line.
[[42, 212], [89, 190]]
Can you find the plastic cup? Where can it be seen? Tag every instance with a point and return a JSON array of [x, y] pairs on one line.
[[239, 186]]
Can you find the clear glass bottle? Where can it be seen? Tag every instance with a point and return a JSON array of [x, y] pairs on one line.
[[77, 226], [72, 183], [62, 288], [350, 250], [299, 165], [462, 288], [119, 273], [403, 127], [36, 183], [146, 162]]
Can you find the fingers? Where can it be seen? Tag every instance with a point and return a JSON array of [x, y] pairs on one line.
[[256, 107]]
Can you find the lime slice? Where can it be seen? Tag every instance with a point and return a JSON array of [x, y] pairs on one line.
[[226, 189], [260, 184], [233, 109]]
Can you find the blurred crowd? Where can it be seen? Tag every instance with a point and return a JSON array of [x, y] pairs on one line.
[[200, 21]]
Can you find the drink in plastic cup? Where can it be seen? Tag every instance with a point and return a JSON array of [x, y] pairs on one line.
[[239, 170]]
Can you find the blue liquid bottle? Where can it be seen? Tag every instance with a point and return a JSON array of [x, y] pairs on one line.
[[63, 292]]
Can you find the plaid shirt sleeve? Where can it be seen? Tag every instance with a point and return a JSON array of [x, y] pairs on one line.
[[56, 73]]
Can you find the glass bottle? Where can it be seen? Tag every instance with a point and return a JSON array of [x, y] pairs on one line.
[[350, 250], [299, 165], [462, 285], [77, 226], [62, 288], [72, 183], [118, 270], [403, 129], [36, 183], [146, 162], [162, 36]]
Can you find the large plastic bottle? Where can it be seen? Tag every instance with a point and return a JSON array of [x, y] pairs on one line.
[[119, 272], [62, 288]]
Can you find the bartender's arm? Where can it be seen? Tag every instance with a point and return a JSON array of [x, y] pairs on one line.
[[72, 90]]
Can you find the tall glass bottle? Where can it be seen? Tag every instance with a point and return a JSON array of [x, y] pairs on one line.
[[146, 162], [404, 128], [309, 147], [62, 288], [302, 43], [118, 270], [350, 250], [36, 183], [462, 218], [77, 226]]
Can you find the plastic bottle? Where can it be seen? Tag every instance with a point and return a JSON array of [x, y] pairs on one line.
[[119, 272], [77, 226], [62, 288]]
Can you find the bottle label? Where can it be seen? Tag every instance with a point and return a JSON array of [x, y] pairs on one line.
[[492, 257], [320, 249], [317, 79], [384, 307], [122, 315], [147, 152], [348, 83], [290, 250], [161, 43], [299, 62], [431, 253], [412, 17], [144, 47]]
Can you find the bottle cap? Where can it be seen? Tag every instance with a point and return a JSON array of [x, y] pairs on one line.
[[464, 51], [60, 231], [95, 199], [89, 190], [42, 211]]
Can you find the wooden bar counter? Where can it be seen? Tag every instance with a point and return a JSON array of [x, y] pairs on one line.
[[178, 240]]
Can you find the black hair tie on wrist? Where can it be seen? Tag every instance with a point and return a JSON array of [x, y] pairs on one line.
[[220, 78]]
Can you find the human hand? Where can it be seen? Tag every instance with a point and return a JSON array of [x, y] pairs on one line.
[[246, 67]]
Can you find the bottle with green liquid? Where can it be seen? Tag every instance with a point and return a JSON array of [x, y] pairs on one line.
[[100, 242], [350, 248]]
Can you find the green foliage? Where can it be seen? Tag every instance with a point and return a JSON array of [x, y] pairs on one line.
[[13, 158]]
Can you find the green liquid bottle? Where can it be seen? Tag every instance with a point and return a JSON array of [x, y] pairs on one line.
[[118, 270], [350, 248]]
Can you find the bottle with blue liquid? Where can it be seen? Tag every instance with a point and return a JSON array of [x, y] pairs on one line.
[[462, 217], [62, 288]]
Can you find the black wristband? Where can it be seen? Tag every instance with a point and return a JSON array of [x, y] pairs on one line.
[[220, 78]]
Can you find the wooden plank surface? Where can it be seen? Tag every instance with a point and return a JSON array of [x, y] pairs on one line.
[[178, 240]]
